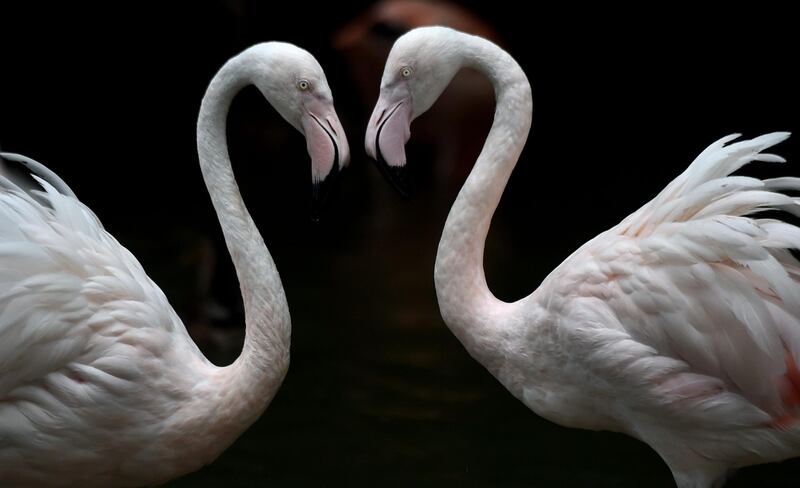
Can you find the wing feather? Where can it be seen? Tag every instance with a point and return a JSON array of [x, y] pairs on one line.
[[704, 297], [67, 287]]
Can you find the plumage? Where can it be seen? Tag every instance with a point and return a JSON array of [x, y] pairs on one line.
[[100, 383], [679, 326]]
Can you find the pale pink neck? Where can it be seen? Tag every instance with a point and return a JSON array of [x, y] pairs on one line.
[[252, 380], [467, 305]]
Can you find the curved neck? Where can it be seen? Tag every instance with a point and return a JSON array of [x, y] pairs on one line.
[[256, 375], [467, 305]]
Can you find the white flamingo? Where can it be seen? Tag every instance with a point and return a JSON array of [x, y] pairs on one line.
[[680, 326], [100, 384]]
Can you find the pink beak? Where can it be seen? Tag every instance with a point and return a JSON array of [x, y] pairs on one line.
[[327, 146], [326, 143], [388, 131]]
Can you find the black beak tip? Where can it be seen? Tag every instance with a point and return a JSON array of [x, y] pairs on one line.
[[320, 191], [397, 175], [399, 178], [318, 196]]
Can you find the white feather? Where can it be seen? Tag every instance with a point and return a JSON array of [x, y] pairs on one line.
[[100, 384], [680, 326]]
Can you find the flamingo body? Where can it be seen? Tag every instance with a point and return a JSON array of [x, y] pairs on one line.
[[680, 326], [100, 383]]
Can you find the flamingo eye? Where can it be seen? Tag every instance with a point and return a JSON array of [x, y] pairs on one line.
[[303, 85], [406, 72]]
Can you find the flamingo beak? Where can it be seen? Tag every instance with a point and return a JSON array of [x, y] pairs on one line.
[[387, 133], [327, 146]]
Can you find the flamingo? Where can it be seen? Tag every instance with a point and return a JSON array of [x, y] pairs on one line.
[[680, 326], [100, 384], [365, 42]]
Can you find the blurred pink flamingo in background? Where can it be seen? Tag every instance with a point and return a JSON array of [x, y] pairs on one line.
[[454, 133]]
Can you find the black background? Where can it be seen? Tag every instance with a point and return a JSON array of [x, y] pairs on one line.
[[107, 95], [623, 100]]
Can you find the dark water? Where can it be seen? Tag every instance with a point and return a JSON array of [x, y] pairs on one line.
[[379, 392]]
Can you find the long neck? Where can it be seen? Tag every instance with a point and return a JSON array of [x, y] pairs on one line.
[[256, 375], [467, 305]]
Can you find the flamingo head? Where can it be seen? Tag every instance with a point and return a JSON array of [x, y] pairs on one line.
[[294, 83], [420, 65]]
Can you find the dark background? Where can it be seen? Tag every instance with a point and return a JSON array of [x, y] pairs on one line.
[[379, 391]]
